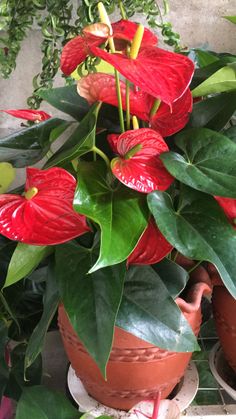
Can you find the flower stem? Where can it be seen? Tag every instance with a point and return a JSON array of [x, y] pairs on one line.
[[102, 155], [122, 10], [155, 107], [105, 19], [127, 83]]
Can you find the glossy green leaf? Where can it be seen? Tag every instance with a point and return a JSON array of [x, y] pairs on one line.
[[223, 80], [24, 260], [120, 213], [91, 301], [231, 133], [173, 276], [50, 304], [208, 164], [7, 175], [26, 147], [67, 100], [204, 58], [199, 230], [231, 18], [201, 74], [17, 379], [38, 402], [213, 112], [149, 312], [4, 372], [80, 142]]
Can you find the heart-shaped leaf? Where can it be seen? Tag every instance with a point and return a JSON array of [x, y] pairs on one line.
[[223, 80], [149, 312], [173, 276], [91, 301], [80, 142], [213, 112], [209, 162], [198, 229], [38, 402], [29, 145], [7, 175], [115, 211], [50, 304], [24, 260], [67, 100]]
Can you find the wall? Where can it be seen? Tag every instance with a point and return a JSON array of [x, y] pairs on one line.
[[199, 23]]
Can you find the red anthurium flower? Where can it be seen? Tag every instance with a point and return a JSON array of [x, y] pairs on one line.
[[138, 165], [44, 216], [229, 207], [151, 248], [28, 114], [101, 87], [162, 74], [76, 50]]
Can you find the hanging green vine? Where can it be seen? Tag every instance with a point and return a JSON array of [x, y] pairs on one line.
[[59, 22]]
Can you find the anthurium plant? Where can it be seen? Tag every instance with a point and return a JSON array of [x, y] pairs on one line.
[[143, 176]]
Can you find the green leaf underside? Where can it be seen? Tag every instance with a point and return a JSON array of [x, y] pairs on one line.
[[148, 311], [80, 142], [26, 147], [223, 80], [24, 260], [51, 300], [38, 402], [231, 19], [209, 162], [67, 100], [91, 300], [198, 230], [173, 276], [213, 112], [120, 213]]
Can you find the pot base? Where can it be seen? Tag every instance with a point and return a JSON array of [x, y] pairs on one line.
[[183, 395], [221, 370]]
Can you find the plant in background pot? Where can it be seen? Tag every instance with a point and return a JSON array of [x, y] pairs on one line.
[[111, 240]]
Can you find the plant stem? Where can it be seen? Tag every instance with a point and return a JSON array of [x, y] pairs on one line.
[[155, 107], [195, 266], [175, 256], [122, 10], [127, 83], [105, 19], [102, 155]]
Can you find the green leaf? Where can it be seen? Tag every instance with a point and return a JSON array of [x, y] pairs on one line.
[[173, 276], [149, 312], [91, 301], [213, 112], [24, 260], [198, 230], [223, 80], [120, 213], [231, 133], [51, 300], [230, 18], [67, 100], [17, 380], [4, 372], [80, 142], [26, 147], [7, 175], [38, 402], [204, 58], [208, 164]]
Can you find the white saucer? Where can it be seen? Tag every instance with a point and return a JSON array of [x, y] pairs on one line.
[[221, 370], [185, 393]]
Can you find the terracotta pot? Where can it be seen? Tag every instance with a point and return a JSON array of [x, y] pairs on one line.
[[136, 369], [224, 310]]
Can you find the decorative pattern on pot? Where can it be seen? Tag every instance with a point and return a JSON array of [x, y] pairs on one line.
[[136, 369]]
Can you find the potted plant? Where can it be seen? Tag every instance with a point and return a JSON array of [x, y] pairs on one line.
[[112, 240]]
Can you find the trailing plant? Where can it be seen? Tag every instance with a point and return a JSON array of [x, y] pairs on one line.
[[59, 22]]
